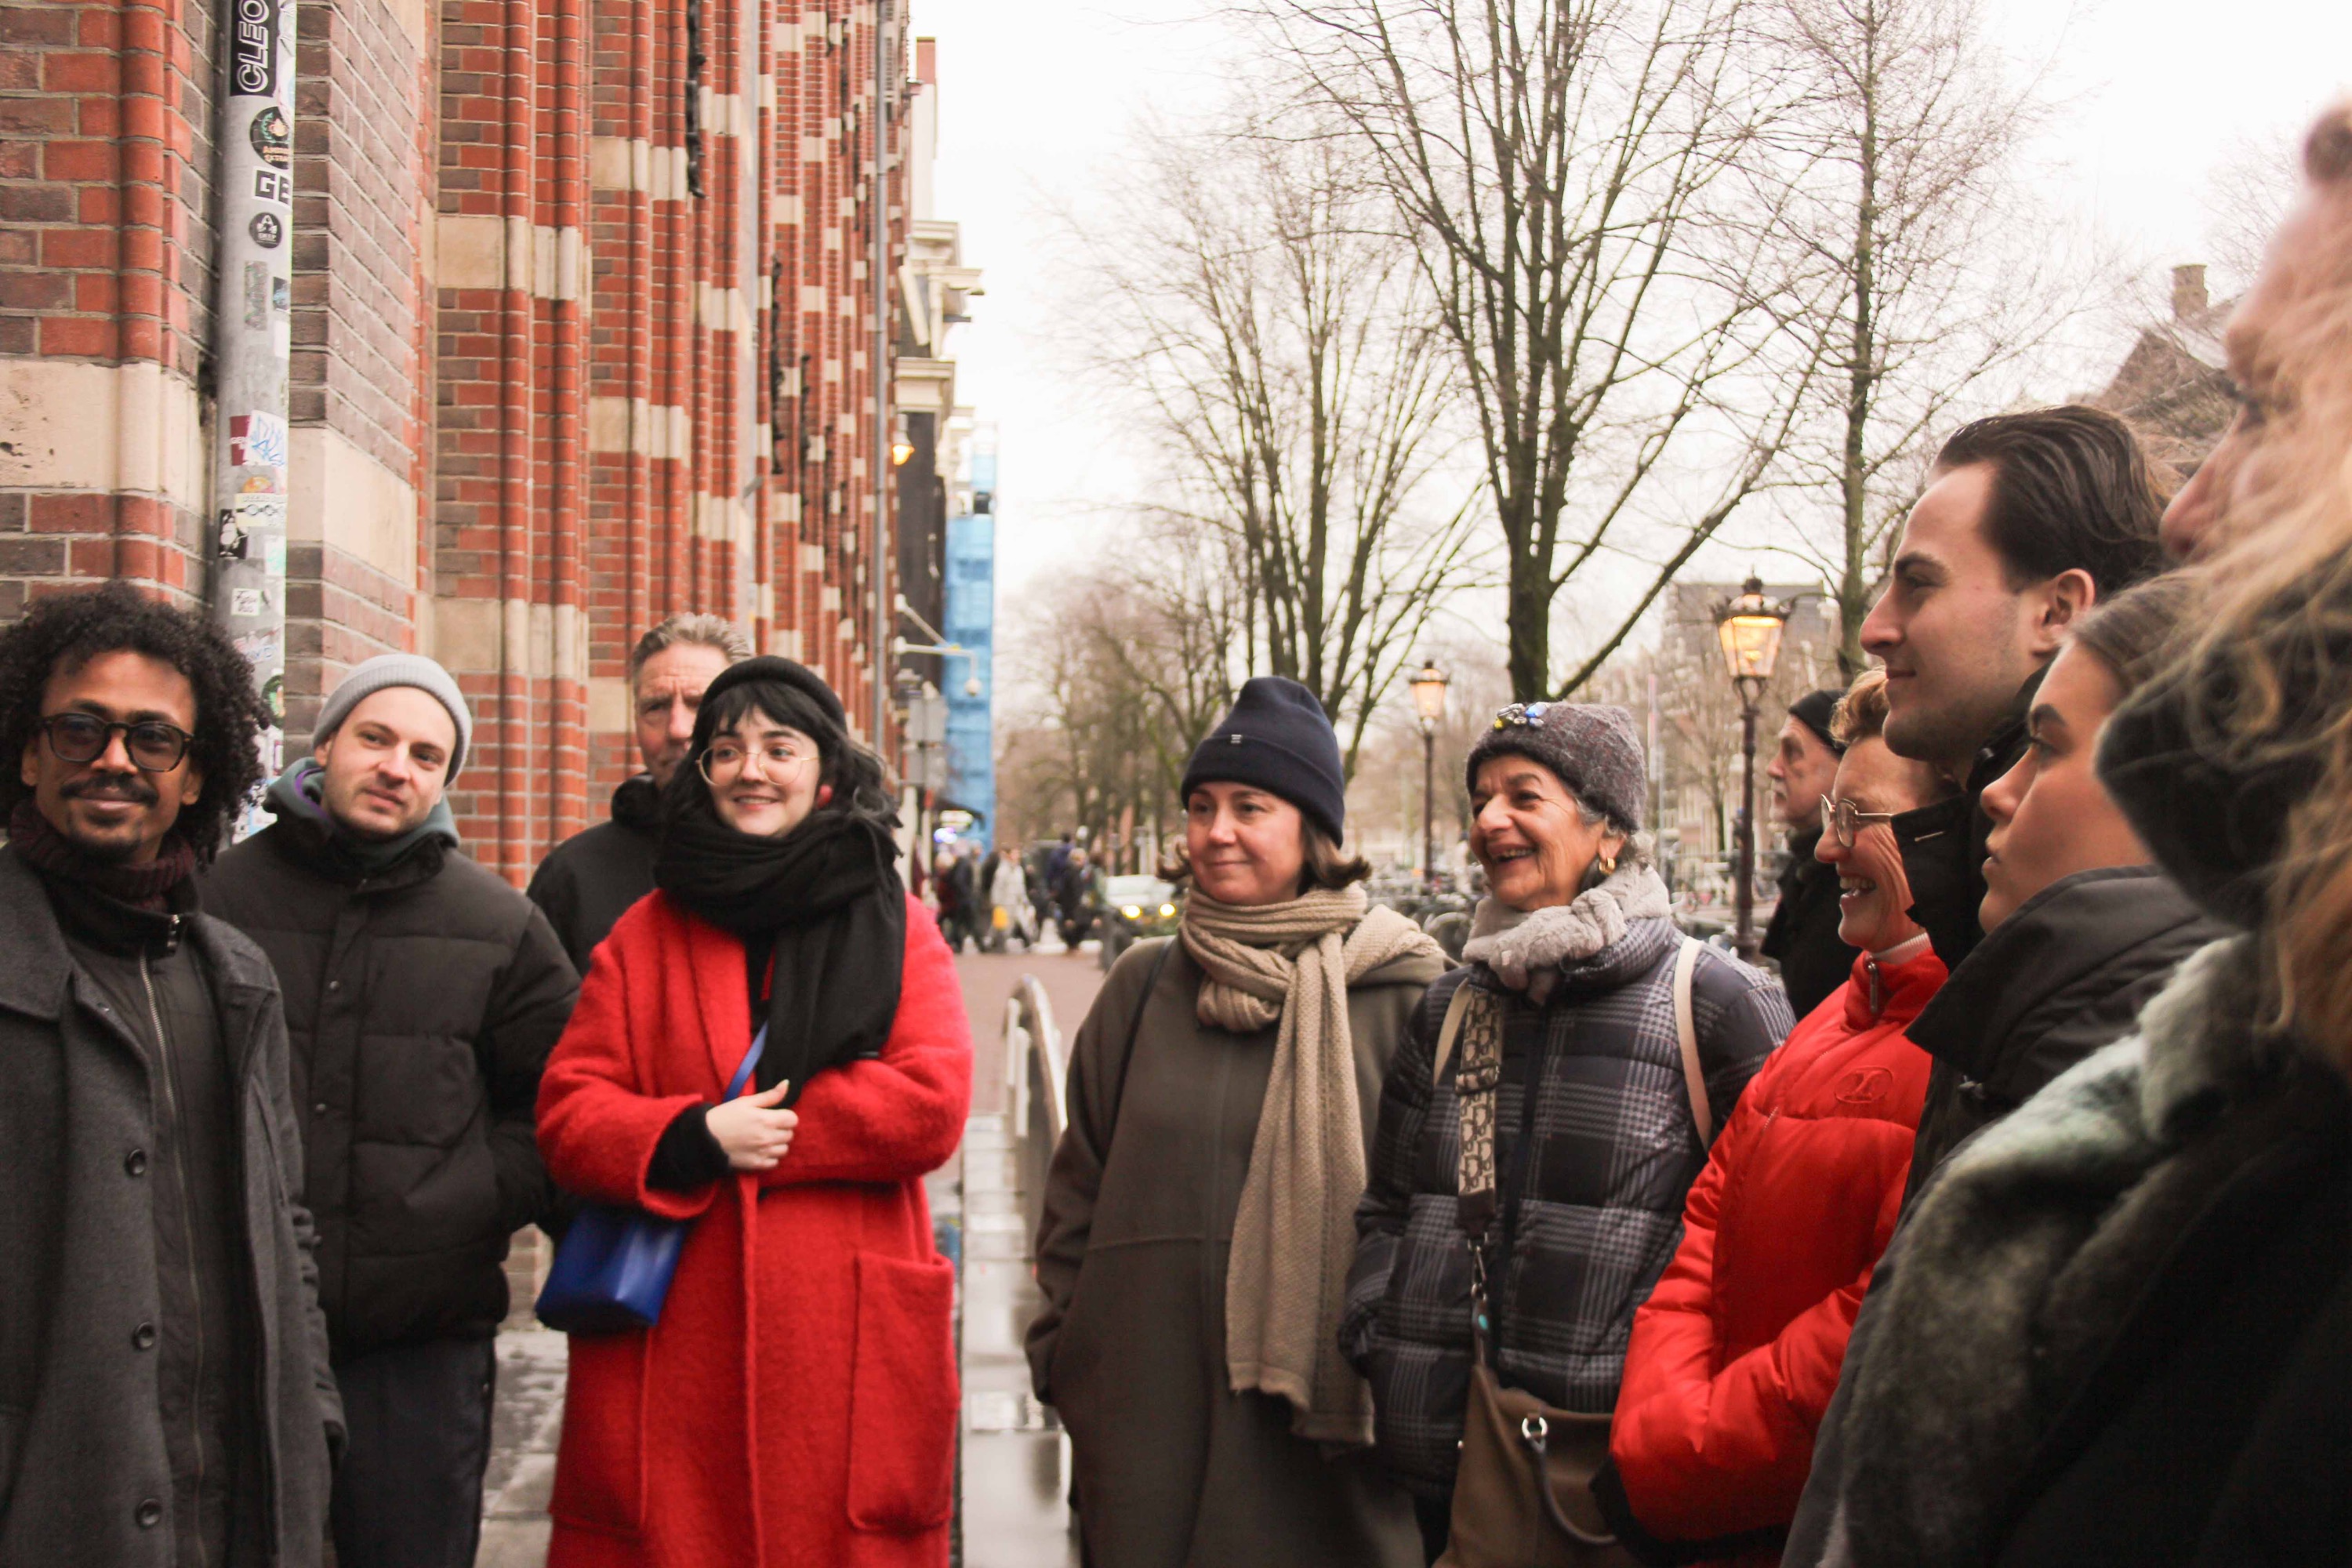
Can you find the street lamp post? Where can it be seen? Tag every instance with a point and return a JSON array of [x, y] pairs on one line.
[[1749, 628], [1429, 704]]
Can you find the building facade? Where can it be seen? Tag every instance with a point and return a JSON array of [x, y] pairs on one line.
[[583, 331]]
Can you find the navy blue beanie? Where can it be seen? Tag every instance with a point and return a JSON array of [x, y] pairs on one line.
[[1277, 740]]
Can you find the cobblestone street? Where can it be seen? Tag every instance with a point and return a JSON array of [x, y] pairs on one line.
[[1014, 1478]]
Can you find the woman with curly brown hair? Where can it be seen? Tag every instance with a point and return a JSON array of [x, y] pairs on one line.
[[2117, 1327]]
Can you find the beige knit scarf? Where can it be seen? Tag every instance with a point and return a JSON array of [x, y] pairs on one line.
[[1295, 1233]]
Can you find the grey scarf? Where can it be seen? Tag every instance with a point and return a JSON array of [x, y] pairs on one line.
[[1525, 948]]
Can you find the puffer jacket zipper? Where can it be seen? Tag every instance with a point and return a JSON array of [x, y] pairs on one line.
[[170, 1081]]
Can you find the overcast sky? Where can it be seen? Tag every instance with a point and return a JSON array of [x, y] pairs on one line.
[[1034, 98]]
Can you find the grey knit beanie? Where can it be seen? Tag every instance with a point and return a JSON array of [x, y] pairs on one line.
[[387, 669], [1595, 750]]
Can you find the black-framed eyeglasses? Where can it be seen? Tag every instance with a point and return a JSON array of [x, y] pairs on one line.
[[1845, 819], [151, 743]]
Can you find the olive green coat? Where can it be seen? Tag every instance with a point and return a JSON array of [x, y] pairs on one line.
[[1175, 1470]]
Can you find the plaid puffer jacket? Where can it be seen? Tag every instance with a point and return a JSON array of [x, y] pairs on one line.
[[1595, 1151]]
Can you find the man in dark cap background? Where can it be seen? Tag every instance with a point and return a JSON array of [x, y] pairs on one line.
[[1803, 936]]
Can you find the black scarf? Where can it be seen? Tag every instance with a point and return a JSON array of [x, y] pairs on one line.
[[146, 888], [825, 902]]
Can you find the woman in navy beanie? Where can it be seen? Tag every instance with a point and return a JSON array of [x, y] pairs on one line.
[[1200, 1214]]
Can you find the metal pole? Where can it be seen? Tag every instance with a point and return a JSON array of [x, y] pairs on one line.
[[881, 266], [1745, 893], [252, 334], [1428, 804]]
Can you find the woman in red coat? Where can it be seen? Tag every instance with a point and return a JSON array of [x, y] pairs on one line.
[[1735, 1353], [796, 1403]]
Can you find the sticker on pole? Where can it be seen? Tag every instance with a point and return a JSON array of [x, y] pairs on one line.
[[257, 441], [253, 49], [268, 230], [272, 137], [245, 602]]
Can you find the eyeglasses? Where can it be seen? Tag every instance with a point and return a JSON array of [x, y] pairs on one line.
[[725, 760], [1846, 819], [153, 745]]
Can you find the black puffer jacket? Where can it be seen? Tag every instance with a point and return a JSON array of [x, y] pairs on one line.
[[1595, 1151], [2064, 974], [421, 1005], [590, 879]]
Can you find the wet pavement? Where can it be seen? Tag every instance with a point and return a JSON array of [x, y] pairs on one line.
[[1014, 1475]]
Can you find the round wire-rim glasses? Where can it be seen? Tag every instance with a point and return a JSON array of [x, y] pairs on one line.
[[723, 761]]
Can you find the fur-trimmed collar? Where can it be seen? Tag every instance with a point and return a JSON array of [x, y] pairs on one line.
[[2031, 1248]]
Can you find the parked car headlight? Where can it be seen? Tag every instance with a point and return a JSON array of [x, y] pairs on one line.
[[1132, 912], [1167, 909]]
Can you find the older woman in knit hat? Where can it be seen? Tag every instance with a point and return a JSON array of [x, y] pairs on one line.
[[1545, 1119], [1199, 1218]]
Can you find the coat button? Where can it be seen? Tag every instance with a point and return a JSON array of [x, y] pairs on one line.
[[334, 985], [319, 1109], [150, 1515], [143, 1338], [135, 1162]]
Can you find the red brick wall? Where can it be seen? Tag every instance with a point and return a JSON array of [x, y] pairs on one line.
[[105, 170]]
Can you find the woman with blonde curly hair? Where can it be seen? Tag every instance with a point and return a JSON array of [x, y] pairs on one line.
[[2118, 1327]]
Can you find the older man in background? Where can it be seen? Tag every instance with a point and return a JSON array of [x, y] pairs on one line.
[[590, 879], [1803, 936]]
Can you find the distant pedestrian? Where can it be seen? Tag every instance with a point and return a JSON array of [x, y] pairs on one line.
[[1570, 1094], [587, 881], [796, 1404], [1803, 936], [164, 1392], [1198, 1217], [1008, 889], [423, 994]]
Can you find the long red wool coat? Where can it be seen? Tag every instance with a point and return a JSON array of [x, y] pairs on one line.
[[797, 1402], [1736, 1352]]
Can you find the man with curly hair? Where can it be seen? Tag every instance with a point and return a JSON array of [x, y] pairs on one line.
[[164, 1391]]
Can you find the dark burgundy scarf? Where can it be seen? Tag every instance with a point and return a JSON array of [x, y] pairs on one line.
[[141, 887]]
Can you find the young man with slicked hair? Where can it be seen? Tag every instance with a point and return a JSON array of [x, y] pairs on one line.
[[2027, 521]]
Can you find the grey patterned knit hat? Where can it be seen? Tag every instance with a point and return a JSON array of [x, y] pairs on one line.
[[388, 669], [1595, 750]]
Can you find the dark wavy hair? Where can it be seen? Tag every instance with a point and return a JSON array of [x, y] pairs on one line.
[[2071, 488], [65, 631], [861, 785]]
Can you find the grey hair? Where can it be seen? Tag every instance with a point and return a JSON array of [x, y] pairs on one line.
[[1638, 845], [690, 627]]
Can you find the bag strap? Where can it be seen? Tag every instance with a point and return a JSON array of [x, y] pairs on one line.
[[1686, 1033], [751, 1059], [1134, 1031]]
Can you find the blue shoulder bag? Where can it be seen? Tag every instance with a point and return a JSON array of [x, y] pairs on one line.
[[613, 1267]]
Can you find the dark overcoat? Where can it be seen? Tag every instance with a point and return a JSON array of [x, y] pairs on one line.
[[82, 1458], [1173, 1468]]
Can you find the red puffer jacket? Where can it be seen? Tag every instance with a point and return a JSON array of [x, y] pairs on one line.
[[1736, 1352]]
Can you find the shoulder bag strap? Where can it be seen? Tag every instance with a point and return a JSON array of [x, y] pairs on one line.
[[751, 1059], [1686, 1029], [1134, 1030]]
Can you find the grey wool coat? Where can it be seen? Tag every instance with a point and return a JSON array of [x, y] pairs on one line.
[[1175, 1470], [82, 1453]]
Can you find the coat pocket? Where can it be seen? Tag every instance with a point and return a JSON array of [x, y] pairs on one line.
[[600, 1468], [903, 1398]]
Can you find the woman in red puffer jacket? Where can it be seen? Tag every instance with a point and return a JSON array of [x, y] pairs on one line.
[[1736, 1352]]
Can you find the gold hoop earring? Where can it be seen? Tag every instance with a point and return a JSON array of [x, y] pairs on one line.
[[1609, 865]]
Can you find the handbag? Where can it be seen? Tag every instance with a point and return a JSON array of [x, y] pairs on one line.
[[612, 1268], [1523, 1491]]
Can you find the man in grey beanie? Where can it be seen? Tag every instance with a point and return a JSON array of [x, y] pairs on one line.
[[423, 995]]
